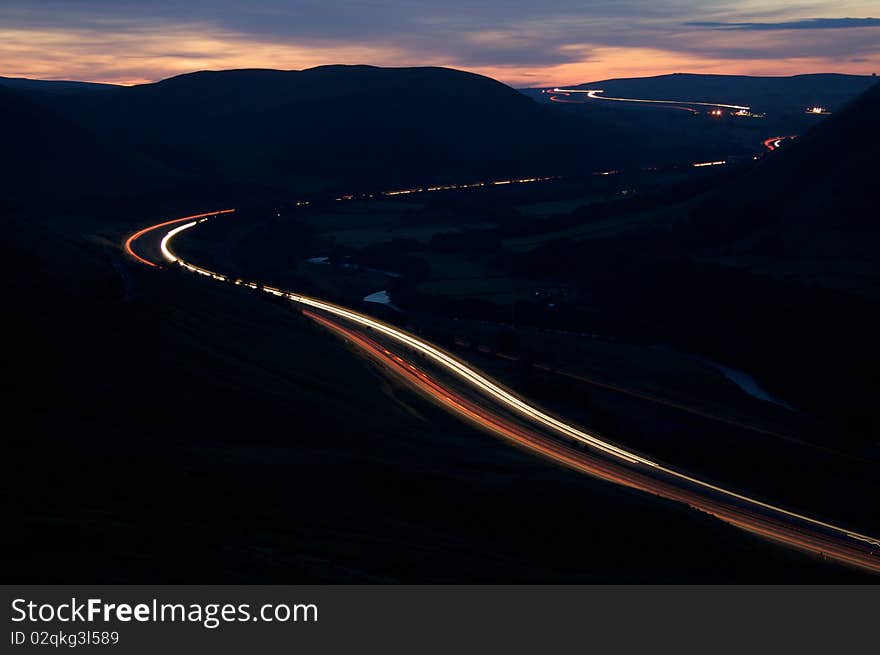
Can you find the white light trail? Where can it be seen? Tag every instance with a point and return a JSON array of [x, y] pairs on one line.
[[501, 394], [163, 246]]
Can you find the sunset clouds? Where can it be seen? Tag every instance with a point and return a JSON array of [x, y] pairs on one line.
[[520, 42]]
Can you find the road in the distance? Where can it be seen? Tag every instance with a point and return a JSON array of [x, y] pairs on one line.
[[564, 97], [469, 393], [593, 94], [774, 142]]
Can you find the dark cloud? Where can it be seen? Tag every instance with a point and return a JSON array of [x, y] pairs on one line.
[[806, 24], [521, 36]]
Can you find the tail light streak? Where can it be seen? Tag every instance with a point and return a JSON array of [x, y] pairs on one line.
[[512, 402]]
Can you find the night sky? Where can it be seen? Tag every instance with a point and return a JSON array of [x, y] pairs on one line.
[[521, 42]]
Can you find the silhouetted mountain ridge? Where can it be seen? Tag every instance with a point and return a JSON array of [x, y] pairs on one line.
[[60, 86], [349, 128], [352, 125]]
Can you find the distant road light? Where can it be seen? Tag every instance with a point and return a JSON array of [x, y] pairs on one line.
[[593, 94]]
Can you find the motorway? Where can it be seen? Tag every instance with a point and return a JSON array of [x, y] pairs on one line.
[[470, 394], [441, 187], [564, 97]]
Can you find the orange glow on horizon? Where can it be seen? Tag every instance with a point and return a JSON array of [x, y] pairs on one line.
[[158, 52]]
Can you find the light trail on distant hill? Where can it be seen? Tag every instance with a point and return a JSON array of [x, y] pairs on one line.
[[774, 142], [593, 94], [503, 412], [557, 97]]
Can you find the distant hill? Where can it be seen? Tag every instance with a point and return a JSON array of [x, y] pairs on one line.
[[355, 127], [765, 94], [53, 85], [336, 125], [345, 128], [49, 155]]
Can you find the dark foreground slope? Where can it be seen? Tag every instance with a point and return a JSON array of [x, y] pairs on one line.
[[173, 430]]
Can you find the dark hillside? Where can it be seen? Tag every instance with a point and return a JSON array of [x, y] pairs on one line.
[[828, 175], [809, 211], [48, 155], [775, 272], [345, 125], [348, 128]]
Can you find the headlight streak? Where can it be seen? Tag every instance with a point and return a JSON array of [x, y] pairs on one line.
[[127, 246], [563, 453], [509, 400], [163, 246]]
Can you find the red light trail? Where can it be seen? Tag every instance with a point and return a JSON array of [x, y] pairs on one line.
[[774, 142], [569, 445], [127, 246]]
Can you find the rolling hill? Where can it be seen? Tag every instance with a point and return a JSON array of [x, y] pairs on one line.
[[57, 86], [53, 156], [352, 125], [346, 128]]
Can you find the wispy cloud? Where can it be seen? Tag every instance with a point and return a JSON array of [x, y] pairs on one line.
[[517, 41], [805, 24]]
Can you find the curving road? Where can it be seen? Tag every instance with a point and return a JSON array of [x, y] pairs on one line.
[[469, 393], [557, 96]]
